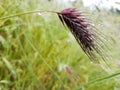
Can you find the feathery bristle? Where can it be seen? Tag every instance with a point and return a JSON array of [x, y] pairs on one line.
[[83, 32]]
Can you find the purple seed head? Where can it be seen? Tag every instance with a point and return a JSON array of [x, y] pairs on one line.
[[82, 31]]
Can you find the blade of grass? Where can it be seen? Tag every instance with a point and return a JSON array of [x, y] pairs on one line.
[[9, 66], [98, 80]]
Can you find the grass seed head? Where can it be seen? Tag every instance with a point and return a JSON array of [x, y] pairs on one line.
[[83, 32]]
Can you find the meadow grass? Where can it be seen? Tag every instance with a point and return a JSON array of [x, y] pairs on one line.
[[38, 53]]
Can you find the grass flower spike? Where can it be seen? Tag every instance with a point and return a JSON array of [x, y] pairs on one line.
[[83, 32]]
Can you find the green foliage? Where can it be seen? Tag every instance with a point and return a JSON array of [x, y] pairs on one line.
[[38, 53]]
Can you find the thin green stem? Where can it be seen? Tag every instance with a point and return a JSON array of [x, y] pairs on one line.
[[98, 80], [24, 13]]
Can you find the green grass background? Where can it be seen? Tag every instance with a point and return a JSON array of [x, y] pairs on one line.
[[38, 53]]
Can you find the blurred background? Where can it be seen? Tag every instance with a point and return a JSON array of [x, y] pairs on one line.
[[38, 53]]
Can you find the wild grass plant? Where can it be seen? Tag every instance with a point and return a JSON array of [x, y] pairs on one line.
[[38, 53]]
